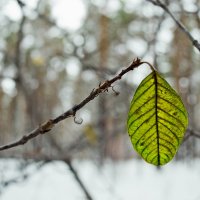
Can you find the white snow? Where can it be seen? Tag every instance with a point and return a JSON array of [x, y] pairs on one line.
[[115, 180]]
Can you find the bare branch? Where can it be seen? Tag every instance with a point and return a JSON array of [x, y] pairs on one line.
[[76, 176], [20, 36], [49, 124], [191, 133], [23, 6], [178, 23], [42, 160], [20, 3], [22, 177], [152, 42]]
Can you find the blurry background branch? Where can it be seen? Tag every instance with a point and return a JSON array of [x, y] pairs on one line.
[[76, 176], [39, 163], [191, 133], [178, 23], [24, 174]]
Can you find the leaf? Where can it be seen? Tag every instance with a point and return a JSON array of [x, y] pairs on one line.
[[157, 120]]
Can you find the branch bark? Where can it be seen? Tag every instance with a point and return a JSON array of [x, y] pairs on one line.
[[49, 124], [24, 175], [76, 176], [191, 133], [178, 23]]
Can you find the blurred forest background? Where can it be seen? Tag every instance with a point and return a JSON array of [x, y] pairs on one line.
[[53, 55]]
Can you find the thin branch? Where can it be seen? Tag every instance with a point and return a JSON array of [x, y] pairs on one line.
[[23, 177], [76, 176], [23, 6], [178, 23], [49, 124], [153, 41], [20, 36], [191, 133], [44, 160]]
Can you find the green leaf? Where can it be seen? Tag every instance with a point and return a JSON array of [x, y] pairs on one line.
[[157, 120]]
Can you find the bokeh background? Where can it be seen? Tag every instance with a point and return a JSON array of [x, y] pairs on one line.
[[52, 54]]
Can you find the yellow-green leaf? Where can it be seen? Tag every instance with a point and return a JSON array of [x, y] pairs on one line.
[[157, 120]]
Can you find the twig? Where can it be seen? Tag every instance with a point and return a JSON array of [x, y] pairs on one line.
[[44, 160], [49, 124], [191, 133], [23, 177], [76, 176], [153, 41], [20, 36], [178, 23], [23, 6]]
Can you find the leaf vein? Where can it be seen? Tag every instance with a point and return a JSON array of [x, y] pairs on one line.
[[174, 106], [141, 123], [144, 134], [143, 150], [166, 147], [172, 116], [170, 123], [141, 105], [169, 142], [171, 91], [151, 153], [171, 132], [141, 115], [143, 92]]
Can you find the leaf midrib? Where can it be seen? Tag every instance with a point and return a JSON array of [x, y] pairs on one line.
[[156, 114]]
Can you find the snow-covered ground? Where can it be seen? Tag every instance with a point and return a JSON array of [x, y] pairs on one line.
[[119, 181]]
